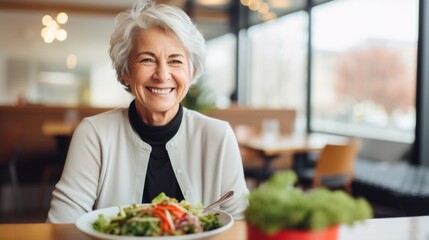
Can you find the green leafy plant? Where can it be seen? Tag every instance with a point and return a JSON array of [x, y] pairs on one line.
[[278, 205], [199, 97]]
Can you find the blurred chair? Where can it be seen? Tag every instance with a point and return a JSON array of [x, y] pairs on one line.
[[247, 122], [10, 136], [254, 170], [53, 169], [334, 168]]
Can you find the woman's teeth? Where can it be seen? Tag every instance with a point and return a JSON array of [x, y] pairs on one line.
[[160, 91]]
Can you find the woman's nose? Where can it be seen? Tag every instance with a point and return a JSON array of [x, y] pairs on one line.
[[162, 72]]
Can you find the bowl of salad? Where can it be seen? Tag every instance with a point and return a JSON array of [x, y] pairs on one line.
[[164, 218]]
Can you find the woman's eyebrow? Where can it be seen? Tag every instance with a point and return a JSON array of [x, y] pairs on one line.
[[146, 53], [176, 55]]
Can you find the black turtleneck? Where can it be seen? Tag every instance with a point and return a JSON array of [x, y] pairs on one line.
[[160, 175]]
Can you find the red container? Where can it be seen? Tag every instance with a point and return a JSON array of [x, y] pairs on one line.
[[326, 234]]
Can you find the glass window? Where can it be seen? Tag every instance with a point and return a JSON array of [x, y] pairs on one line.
[[219, 76], [364, 68], [278, 58]]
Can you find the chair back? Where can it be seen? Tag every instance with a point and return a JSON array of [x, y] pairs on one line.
[[10, 136], [336, 162]]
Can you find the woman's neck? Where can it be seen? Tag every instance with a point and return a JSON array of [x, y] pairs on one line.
[[156, 118]]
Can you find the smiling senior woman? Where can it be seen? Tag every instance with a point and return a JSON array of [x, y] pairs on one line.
[[130, 155]]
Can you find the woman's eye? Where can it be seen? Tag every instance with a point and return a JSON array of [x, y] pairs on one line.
[[147, 60], [176, 62]]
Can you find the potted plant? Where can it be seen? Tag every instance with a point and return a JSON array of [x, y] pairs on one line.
[[278, 210]]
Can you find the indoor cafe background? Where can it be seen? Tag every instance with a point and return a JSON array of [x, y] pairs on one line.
[[349, 67]]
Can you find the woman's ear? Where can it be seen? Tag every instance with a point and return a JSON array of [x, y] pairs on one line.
[[126, 79]]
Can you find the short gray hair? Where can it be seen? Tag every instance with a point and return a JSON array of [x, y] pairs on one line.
[[146, 14]]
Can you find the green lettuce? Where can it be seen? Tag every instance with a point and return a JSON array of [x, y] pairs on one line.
[[278, 205]]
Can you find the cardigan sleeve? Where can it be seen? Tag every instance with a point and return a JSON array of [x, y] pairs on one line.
[[76, 191], [233, 176]]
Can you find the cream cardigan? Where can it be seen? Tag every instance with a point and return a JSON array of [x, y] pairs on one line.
[[106, 165]]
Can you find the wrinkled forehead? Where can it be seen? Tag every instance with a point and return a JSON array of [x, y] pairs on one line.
[[158, 39]]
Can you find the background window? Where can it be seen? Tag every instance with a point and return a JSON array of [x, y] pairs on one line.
[[278, 60], [364, 68], [219, 75]]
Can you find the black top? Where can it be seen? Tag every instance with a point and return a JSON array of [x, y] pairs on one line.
[[160, 175]]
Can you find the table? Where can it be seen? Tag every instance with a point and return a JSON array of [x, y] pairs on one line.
[[45, 231], [403, 228], [297, 145], [291, 144]]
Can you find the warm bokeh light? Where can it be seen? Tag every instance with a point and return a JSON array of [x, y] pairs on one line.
[[279, 4], [71, 61], [46, 19], [43, 32], [62, 18], [53, 29], [61, 35], [246, 2], [264, 8], [254, 5], [212, 2], [52, 24], [49, 37]]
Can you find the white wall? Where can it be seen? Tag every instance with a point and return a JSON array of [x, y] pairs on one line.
[[105, 90], [3, 97], [16, 77]]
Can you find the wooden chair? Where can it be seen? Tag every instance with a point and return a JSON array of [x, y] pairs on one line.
[[334, 168], [10, 136]]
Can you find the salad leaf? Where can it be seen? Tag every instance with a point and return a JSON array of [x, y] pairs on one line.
[[102, 223]]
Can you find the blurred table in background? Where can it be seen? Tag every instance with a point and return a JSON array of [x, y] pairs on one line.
[[292, 144], [297, 145]]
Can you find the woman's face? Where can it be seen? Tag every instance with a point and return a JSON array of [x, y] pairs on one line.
[[159, 74]]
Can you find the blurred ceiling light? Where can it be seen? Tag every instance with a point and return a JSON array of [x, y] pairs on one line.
[[62, 18], [254, 5], [264, 8], [52, 29], [71, 61], [279, 4], [61, 35], [246, 2], [46, 19], [213, 2]]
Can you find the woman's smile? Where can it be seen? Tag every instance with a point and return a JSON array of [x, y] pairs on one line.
[[160, 91]]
